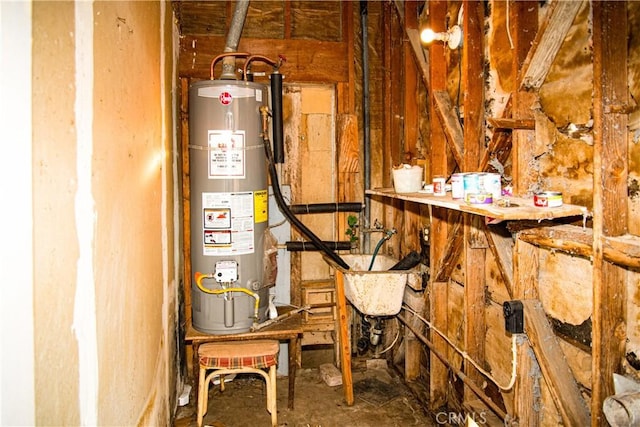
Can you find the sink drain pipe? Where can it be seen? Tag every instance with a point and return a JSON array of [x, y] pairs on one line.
[[465, 379]]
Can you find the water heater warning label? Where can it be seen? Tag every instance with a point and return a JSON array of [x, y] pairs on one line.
[[228, 223], [226, 154]]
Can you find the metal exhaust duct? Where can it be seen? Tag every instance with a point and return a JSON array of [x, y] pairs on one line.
[[233, 39]]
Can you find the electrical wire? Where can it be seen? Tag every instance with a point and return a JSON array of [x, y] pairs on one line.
[[394, 340], [509, 27], [466, 356]]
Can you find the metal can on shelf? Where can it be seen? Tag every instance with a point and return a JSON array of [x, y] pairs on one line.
[[457, 186], [548, 199], [439, 186], [479, 198], [491, 183], [471, 183]]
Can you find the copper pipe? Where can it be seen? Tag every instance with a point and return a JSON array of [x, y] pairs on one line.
[[224, 55]]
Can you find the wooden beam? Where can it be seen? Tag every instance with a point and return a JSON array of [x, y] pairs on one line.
[[450, 251], [527, 388], [552, 33], [500, 145], [451, 125], [571, 239], [413, 224], [501, 246], [622, 250], [555, 369], [474, 255], [411, 123], [578, 241], [610, 173], [509, 123], [523, 20], [438, 289], [307, 60], [186, 194], [348, 37], [420, 54], [342, 327]]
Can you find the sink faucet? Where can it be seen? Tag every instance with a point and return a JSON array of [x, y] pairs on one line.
[[387, 235]]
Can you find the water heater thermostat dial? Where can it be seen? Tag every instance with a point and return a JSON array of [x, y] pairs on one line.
[[226, 271]]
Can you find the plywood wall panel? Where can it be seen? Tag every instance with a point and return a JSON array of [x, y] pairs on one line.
[[564, 286]]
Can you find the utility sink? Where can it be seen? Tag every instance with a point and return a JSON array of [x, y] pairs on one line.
[[378, 292]]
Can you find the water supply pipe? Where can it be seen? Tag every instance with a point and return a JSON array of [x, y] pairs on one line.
[[387, 236], [326, 208], [201, 276], [282, 205], [277, 127], [465, 379], [366, 154], [298, 246], [223, 56]]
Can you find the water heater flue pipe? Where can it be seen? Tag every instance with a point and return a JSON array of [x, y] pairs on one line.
[[233, 38]]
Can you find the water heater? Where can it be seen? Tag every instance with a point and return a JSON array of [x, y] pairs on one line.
[[229, 205]]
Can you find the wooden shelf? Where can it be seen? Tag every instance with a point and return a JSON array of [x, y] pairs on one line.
[[520, 208]]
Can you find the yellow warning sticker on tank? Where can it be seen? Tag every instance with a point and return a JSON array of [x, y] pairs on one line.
[[261, 206]]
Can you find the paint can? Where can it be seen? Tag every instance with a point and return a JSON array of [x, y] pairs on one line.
[[491, 183], [439, 186], [479, 198], [548, 199], [471, 183], [457, 186]]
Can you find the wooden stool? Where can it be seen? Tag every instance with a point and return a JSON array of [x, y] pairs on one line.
[[236, 357]]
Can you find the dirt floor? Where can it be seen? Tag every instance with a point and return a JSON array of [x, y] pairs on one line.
[[381, 400]]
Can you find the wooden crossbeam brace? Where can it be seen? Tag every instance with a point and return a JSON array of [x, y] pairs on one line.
[[450, 124], [420, 55], [553, 364], [509, 123], [500, 144], [547, 43], [578, 241], [501, 247], [451, 252]]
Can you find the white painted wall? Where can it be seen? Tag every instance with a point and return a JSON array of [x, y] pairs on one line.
[[16, 249]]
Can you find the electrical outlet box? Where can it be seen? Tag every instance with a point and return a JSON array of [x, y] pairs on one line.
[[513, 317]]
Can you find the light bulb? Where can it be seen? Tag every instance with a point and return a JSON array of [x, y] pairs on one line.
[[427, 36]]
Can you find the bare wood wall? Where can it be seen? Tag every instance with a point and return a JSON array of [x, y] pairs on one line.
[[517, 99]]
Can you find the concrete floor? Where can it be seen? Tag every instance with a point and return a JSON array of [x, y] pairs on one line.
[[381, 400]]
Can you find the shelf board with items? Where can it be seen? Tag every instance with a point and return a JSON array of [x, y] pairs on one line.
[[517, 208]]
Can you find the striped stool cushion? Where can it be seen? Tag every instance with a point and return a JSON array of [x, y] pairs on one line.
[[239, 354]]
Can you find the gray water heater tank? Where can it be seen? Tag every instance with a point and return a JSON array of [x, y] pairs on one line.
[[229, 204]]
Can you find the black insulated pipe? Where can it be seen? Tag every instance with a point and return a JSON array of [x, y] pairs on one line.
[[326, 208], [310, 246], [276, 119], [282, 205]]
